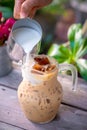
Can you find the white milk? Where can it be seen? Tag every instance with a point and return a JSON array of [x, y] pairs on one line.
[[27, 38]]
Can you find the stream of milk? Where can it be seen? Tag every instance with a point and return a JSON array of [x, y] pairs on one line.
[[27, 38]]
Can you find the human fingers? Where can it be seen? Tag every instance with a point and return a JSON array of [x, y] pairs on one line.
[[26, 8], [32, 13], [17, 8], [29, 7]]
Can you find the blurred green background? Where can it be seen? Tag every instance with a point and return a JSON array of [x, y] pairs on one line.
[[6, 7]]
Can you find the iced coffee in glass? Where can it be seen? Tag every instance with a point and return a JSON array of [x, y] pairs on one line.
[[40, 93]]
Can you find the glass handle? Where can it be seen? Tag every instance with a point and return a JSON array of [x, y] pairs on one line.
[[73, 70]]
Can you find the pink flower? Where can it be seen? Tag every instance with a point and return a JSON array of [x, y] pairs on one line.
[[1, 35], [10, 22], [5, 29], [1, 38]]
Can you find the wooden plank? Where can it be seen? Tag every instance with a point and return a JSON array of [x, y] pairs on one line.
[[13, 79], [77, 98], [4, 126], [67, 117]]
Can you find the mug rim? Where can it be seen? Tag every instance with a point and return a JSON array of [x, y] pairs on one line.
[[25, 22], [24, 65]]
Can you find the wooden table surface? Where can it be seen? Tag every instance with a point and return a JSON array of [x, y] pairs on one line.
[[72, 114]]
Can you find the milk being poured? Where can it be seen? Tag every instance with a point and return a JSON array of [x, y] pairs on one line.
[[27, 38]]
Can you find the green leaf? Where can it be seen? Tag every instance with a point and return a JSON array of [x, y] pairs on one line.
[[77, 41], [53, 50], [72, 44], [82, 50], [82, 67], [74, 34], [72, 31], [60, 53]]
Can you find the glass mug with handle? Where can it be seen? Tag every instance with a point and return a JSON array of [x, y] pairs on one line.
[[40, 92]]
